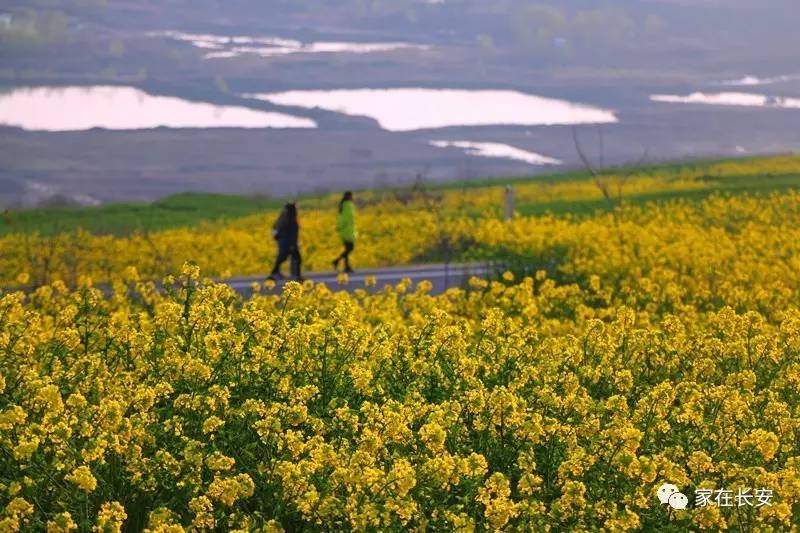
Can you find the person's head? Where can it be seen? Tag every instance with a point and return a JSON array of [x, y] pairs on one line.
[[347, 197], [291, 210]]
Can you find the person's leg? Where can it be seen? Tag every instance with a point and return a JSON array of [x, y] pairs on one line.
[[341, 256], [283, 254], [296, 262], [348, 247]]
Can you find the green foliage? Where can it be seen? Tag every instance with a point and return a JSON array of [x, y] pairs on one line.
[[122, 218]]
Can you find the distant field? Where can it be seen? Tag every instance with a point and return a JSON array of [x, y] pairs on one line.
[[726, 185], [123, 218], [698, 179], [230, 235]]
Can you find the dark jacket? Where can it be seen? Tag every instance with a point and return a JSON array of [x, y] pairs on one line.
[[286, 229]]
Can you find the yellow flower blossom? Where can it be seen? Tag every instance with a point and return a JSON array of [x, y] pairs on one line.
[[83, 478], [110, 518], [61, 523], [229, 490]]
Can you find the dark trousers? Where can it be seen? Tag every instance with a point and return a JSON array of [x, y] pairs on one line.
[[284, 253], [348, 247]]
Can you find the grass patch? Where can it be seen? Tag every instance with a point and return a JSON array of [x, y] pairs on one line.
[[699, 167], [724, 185], [190, 209], [179, 210]]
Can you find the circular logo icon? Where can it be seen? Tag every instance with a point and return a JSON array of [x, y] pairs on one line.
[[665, 491], [670, 495], [678, 501]]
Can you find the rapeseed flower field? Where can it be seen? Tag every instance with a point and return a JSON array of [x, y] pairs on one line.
[[394, 227], [642, 345]]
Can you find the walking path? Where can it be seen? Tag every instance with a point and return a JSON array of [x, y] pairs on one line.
[[441, 276]]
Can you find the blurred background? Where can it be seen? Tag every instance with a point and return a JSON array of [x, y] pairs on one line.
[[117, 100]]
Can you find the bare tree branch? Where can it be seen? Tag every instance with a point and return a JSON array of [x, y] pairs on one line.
[[581, 154], [602, 185]]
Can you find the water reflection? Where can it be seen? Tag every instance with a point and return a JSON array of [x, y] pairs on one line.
[[413, 109], [127, 108], [222, 47], [504, 151], [729, 99], [754, 81]]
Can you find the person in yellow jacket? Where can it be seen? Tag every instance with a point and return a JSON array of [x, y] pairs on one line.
[[346, 227]]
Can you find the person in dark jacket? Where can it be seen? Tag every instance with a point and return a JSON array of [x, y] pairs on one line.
[[346, 227], [286, 232]]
